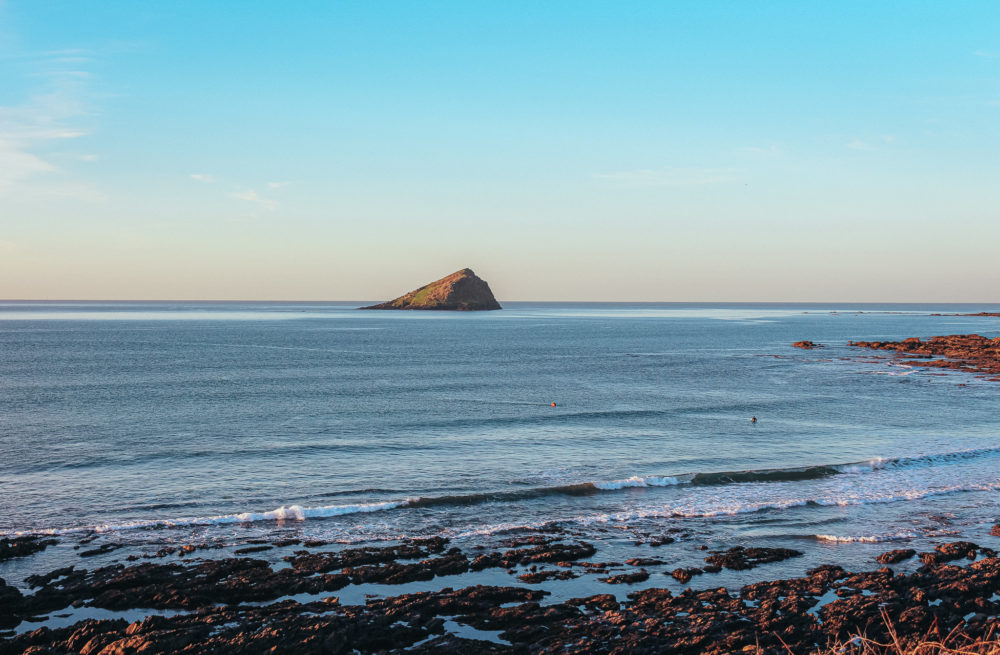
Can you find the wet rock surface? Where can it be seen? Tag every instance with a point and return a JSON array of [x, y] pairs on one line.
[[966, 352], [22, 546], [237, 605], [739, 558], [896, 556]]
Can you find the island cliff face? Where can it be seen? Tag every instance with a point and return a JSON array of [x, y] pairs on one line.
[[460, 291]]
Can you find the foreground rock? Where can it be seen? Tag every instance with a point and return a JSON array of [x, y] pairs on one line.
[[966, 352], [827, 605], [461, 291]]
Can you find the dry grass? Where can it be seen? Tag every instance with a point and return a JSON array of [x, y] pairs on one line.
[[955, 642]]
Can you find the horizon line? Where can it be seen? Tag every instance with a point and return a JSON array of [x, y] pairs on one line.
[[621, 302]]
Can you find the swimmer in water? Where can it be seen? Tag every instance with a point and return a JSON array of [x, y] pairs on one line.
[[753, 419]]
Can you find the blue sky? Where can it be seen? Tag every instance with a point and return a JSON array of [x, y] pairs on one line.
[[564, 150]]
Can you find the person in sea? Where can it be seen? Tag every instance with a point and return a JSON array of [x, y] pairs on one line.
[[753, 419]]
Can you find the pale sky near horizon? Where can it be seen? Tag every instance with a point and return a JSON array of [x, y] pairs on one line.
[[634, 151]]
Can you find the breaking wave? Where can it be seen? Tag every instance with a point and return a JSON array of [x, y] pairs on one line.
[[706, 505]]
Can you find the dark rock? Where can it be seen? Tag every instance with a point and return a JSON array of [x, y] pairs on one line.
[[541, 576], [22, 546], [627, 578], [740, 558], [100, 550], [895, 556]]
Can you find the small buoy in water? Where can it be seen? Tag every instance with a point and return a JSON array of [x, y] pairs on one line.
[[553, 404], [753, 419]]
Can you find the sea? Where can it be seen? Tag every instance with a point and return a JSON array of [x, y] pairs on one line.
[[148, 424]]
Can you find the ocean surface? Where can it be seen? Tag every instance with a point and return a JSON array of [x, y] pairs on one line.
[[157, 423]]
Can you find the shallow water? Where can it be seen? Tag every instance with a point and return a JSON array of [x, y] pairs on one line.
[[162, 423]]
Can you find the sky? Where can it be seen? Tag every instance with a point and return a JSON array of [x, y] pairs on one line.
[[577, 150]]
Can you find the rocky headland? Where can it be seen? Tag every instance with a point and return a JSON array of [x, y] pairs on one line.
[[460, 291]]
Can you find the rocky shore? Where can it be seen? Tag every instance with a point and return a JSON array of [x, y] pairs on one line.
[[246, 605]]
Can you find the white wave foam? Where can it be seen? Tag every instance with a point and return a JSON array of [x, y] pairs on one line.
[[283, 513], [866, 539], [873, 464], [711, 507], [637, 481]]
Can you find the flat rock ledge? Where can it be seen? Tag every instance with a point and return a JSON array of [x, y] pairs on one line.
[[243, 605]]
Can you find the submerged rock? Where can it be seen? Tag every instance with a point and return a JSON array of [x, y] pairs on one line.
[[460, 291]]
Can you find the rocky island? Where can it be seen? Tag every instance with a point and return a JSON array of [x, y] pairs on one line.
[[460, 291]]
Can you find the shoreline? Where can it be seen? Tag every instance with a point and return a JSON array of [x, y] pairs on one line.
[[318, 600]]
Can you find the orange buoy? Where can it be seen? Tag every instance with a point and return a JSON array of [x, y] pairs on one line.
[[553, 404]]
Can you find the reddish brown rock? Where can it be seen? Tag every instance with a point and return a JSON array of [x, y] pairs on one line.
[[896, 556], [966, 352], [462, 291], [684, 575], [806, 345], [627, 578]]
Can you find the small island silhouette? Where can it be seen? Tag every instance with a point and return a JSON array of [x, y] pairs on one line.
[[461, 291]]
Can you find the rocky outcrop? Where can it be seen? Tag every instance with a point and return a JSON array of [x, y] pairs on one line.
[[460, 291], [966, 352]]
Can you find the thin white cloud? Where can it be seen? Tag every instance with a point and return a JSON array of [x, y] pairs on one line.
[[202, 177], [987, 54], [49, 113], [859, 144], [252, 196], [277, 185], [672, 177]]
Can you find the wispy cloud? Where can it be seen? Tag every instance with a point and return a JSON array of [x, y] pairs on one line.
[[252, 196], [51, 111], [202, 177], [277, 185], [672, 177], [871, 144], [988, 54]]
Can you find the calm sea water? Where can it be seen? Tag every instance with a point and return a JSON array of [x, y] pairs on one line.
[[160, 422]]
